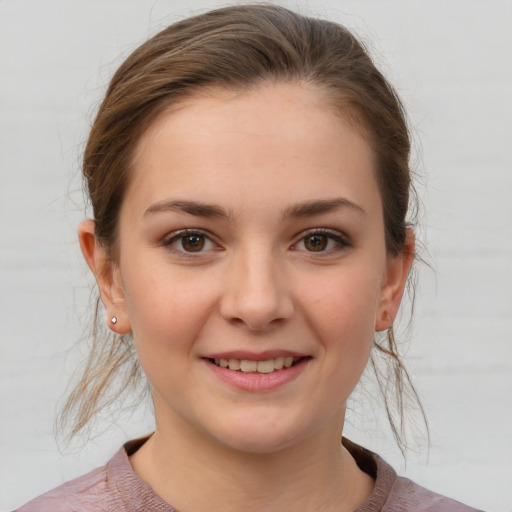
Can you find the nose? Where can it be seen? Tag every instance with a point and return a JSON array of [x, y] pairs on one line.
[[256, 292]]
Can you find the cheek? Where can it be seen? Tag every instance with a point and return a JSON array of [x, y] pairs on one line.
[[166, 326], [167, 310], [346, 301], [342, 312]]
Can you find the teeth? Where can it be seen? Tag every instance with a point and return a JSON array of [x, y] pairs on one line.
[[267, 366], [248, 366], [234, 364]]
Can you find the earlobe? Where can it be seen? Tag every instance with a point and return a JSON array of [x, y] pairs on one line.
[[107, 277], [395, 279]]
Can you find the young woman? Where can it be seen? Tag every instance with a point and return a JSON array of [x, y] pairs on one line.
[[249, 177]]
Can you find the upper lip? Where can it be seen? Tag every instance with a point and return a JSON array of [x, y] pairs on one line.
[[249, 355]]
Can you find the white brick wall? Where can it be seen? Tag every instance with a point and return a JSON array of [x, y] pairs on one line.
[[452, 62]]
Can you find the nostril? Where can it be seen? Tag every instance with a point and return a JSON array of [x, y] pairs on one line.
[[255, 296]]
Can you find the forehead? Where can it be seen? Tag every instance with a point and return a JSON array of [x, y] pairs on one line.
[[268, 139]]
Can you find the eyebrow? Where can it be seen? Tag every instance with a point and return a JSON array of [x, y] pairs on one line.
[[304, 209], [310, 208], [191, 207]]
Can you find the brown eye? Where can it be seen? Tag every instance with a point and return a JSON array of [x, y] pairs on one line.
[[189, 242], [316, 243], [193, 243], [323, 241]]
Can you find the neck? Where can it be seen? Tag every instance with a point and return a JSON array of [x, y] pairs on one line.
[[317, 474]]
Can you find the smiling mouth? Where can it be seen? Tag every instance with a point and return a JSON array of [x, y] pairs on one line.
[[248, 366]]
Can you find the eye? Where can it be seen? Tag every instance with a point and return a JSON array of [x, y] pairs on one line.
[[322, 240], [189, 241], [316, 243]]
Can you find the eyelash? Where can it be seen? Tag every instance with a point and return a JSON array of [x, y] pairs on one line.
[[341, 241], [181, 235]]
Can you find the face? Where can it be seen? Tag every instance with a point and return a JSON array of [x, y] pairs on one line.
[[252, 266]]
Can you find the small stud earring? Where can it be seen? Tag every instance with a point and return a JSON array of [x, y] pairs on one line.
[[387, 317], [113, 320]]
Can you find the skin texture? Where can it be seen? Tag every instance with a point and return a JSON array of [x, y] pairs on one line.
[[256, 286]]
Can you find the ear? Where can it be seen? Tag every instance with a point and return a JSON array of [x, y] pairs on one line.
[[107, 276], [393, 285]]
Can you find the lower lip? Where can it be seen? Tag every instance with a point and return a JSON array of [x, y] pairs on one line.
[[253, 381]]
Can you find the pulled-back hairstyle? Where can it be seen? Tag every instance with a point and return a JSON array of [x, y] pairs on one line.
[[235, 48]]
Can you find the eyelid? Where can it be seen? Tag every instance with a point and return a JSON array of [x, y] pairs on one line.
[[339, 237], [171, 238], [342, 240]]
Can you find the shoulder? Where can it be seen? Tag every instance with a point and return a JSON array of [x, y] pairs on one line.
[[397, 494], [406, 495], [90, 492]]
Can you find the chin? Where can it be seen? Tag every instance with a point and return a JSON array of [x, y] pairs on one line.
[[259, 436], [263, 444]]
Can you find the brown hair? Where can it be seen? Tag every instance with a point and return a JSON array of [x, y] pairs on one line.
[[235, 48]]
